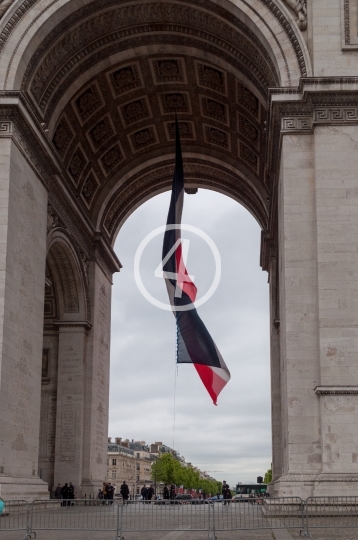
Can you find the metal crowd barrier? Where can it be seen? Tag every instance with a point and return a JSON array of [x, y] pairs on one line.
[[140, 516], [73, 515], [161, 516], [331, 513], [259, 514], [15, 516]]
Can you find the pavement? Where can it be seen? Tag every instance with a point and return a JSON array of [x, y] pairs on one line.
[[70, 520], [317, 534]]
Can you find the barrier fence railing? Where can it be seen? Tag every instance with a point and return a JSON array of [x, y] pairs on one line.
[[15, 516], [74, 515], [161, 516], [258, 514], [331, 512]]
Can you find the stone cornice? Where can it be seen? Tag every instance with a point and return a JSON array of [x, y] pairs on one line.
[[102, 253], [73, 324], [316, 101], [336, 390], [323, 477], [16, 125]]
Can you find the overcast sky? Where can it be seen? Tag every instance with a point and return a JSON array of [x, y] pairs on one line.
[[233, 440]]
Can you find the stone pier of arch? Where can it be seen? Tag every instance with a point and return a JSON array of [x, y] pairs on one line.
[[266, 94]]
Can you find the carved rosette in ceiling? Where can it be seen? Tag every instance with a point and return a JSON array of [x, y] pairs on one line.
[[115, 122], [142, 24], [124, 115]]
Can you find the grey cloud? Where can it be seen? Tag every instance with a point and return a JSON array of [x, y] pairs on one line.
[[235, 436]]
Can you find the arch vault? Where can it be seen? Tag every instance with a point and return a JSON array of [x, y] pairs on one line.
[[88, 95]]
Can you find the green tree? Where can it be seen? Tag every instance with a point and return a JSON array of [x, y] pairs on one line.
[[169, 470], [166, 469], [268, 477]]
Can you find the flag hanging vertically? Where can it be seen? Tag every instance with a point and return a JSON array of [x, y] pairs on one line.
[[194, 343]]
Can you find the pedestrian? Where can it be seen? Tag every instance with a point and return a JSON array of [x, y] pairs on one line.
[[58, 492], [110, 492], [100, 495], [226, 492], [166, 494], [144, 492], [104, 491], [150, 492], [172, 491], [71, 493], [65, 494], [124, 491]]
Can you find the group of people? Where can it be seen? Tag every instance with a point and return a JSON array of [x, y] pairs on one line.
[[169, 492], [65, 493], [107, 492], [147, 492]]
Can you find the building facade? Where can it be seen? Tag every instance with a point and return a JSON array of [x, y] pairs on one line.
[[265, 92], [121, 466], [130, 461]]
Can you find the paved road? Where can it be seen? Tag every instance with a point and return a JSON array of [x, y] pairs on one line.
[[138, 519]]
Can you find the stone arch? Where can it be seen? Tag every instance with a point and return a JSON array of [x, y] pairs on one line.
[[155, 179], [66, 311], [278, 32], [78, 53], [105, 79], [64, 266]]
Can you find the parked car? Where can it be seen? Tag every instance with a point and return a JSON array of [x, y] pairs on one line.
[[240, 498], [215, 499], [201, 501], [167, 501], [184, 497]]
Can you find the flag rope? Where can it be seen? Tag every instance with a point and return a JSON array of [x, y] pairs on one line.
[[174, 405]]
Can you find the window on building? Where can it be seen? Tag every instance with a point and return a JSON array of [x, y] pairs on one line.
[[138, 455], [114, 462], [114, 474], [138, 479], [138, 466], [107, 461], [137, 490]]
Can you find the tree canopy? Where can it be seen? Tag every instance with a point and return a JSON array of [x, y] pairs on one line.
[[268, 476], [169, 470]]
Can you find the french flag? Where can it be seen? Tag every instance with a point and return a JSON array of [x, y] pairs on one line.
[[194, 343]]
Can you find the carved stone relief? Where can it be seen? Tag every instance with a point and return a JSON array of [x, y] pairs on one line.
[[300, 8], [350, 24], [66, 277], [4, 6]]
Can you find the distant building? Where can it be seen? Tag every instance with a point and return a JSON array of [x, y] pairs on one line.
[[130, 461], [159, 448], [121, 465]]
